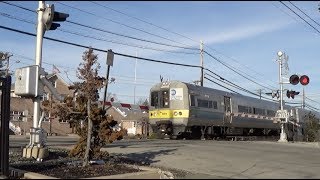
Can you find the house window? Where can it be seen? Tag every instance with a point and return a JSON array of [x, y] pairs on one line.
[[16, 116]]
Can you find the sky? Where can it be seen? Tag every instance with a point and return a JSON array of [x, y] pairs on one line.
[[241, 41]]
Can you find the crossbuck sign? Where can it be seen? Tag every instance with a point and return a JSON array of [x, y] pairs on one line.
[[282, 114]]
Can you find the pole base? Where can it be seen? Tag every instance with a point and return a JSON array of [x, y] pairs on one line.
[[283, 137], [38, 153]]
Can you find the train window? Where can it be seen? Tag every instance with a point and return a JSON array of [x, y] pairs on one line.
[[259, 111], [271, 113], [207, 104], [215, 104], [192, 100], [154, 99], [165, 99], [203, 103], [244, 109]]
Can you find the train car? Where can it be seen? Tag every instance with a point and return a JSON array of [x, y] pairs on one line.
[[179, 109]]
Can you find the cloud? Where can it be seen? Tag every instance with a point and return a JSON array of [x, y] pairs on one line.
[[243, 32]]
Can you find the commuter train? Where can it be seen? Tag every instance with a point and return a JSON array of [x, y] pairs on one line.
[[182, 110]]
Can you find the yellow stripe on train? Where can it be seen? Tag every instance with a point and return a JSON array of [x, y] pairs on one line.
[[156, 114]]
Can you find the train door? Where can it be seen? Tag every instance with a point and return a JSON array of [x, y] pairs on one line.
[[227, 119], [227, 104]]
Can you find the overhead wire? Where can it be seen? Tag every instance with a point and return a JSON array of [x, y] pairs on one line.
[[142, 20], [119, 23], [118, 34], [156, 61], [304, 13], [300, 17], [236, 71], [103, 30]]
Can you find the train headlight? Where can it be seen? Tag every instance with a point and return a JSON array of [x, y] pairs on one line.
[[180, 113], [175, 113]]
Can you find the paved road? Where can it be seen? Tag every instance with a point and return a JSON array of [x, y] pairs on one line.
[[219, 159], [227, 159]]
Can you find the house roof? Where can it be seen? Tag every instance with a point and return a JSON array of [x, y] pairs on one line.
[[49, 76]]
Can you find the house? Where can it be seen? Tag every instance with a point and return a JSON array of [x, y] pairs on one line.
[[21, 109], [133, 118]]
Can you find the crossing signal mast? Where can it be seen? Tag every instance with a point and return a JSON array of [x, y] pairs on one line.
[[282, 114], [47, 16]]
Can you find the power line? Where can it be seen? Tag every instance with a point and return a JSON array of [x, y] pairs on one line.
[[221, 85], [233, 85], [304, 13], [235, 71], [125, 35], [119, 23], [131, 37], [92, 37], [247, 67], [97, 49], [300, 17], [110, 32], [143, 21], [19, 6]]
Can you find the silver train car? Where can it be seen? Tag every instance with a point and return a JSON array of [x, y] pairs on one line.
[[179, 109]]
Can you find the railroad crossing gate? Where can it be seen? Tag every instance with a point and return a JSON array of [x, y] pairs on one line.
[[5, 86]]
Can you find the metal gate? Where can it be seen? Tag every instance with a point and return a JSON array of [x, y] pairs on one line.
[[5, 87]]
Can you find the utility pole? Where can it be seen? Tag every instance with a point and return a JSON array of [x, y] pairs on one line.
[[303, 99], [135, 79], [201, 62], [283, 135]]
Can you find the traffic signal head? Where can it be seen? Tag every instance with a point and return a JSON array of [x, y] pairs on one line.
[[50, 16], [304, 80], [294, 79]]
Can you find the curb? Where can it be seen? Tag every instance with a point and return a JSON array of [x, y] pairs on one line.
[[146, 173]]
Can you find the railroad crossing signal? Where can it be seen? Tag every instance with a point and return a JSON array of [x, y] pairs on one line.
[[292, 94], [295, 79], [50, 16], [282, 114], [304, 80]]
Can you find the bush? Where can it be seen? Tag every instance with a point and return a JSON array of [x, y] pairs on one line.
[[311, 128]]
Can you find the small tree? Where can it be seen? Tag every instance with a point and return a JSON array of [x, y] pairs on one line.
[[142, 101], [99, 127], [311, 127]]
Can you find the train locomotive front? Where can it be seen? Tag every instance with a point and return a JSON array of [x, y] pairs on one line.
[[169, 111]]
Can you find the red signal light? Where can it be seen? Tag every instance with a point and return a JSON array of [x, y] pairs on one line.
[[304, 80], [294, 79]]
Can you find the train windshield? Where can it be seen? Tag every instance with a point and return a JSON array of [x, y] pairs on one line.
[[160, 99]]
